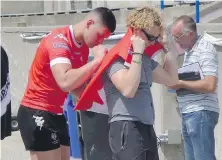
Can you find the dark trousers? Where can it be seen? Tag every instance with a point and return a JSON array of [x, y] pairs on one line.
[[133, 140]]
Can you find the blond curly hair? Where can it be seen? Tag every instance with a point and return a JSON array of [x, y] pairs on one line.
[[144, 18]]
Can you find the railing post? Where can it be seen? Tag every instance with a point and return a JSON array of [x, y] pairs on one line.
[[162, 4], [197, 11]]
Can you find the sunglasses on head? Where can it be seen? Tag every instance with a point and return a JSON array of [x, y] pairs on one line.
[[150, 37]]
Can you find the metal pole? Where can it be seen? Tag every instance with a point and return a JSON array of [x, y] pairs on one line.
[[162, 4], [197, 11]]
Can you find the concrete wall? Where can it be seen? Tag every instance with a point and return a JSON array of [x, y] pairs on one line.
[[18, 7], [10, 7], [218, 130], [21, 7], [21, 53], [55, 6], [72, 18], [57, 19], [119, 4], [14, 7], [209, 13]]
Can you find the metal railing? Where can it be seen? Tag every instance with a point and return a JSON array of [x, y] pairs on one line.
[[197, 11], [39, 35], [197, 3]]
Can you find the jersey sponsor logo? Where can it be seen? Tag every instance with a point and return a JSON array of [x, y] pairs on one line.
[[61, 45], [62, 37]]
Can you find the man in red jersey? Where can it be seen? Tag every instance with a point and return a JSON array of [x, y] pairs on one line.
[[60, 66]]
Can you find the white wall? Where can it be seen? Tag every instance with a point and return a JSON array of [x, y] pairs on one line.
[[21, 53]]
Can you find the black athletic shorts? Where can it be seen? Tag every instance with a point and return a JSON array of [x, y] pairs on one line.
[[41, 130], [6, 123]]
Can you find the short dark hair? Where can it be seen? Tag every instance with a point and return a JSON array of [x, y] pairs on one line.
[[107, 17], [188, 22]]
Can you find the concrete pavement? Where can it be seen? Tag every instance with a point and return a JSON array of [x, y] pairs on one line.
[[12, 148]]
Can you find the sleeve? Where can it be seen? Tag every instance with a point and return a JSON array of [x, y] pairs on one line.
[[115, 67], [154, 64], [58, 49], [209, 63]]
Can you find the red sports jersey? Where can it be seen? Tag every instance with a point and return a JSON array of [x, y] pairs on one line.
[[59, 46]]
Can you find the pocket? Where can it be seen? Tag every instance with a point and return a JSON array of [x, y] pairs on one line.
[[216, 118], [212, 117], [124, 135], [118, 136], [51, 122]]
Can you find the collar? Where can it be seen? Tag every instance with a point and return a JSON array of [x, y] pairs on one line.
[[196, 44], [73, 37]]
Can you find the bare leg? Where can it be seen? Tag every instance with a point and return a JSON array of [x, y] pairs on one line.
[[46, 155], [65, 152]]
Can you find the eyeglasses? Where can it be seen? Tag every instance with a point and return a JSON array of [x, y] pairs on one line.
[[150, 37], [177, 39]]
